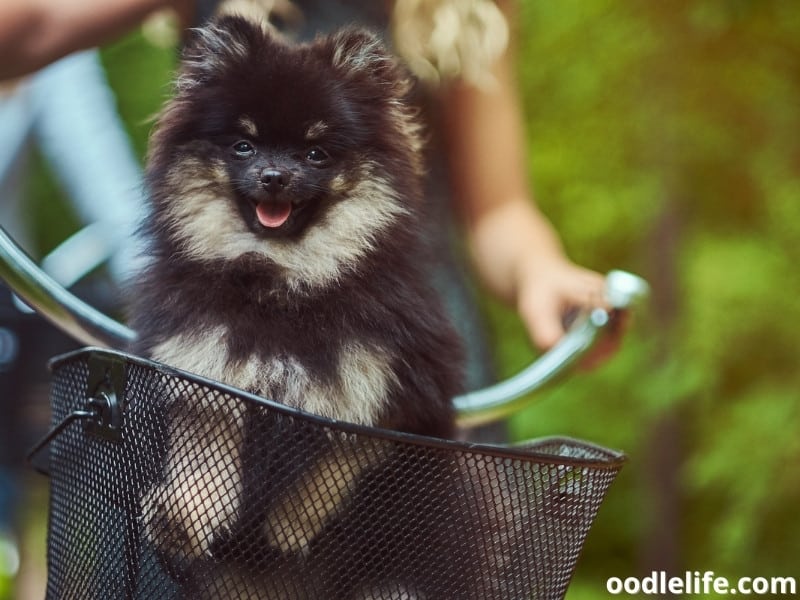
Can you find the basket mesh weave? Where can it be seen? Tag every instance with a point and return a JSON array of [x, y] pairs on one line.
[[194, 490]]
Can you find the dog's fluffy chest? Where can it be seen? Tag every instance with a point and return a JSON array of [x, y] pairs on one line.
[[355, 392]]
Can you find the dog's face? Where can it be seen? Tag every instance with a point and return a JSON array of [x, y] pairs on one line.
[[280, 185], [302, 154]]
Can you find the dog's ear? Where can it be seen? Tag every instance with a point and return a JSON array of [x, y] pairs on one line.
[[361, 55], [219, 44]]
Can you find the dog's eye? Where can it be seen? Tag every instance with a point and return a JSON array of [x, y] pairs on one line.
[[317, 156], [244, 149]]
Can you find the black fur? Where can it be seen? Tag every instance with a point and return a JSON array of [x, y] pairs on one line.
[[377, 298], [383, 299]]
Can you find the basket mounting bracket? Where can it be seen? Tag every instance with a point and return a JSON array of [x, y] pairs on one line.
[[101, 412]]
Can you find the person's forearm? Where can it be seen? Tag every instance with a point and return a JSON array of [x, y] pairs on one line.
[[486, 149], [509, 238], [34, 33], [515, 249]]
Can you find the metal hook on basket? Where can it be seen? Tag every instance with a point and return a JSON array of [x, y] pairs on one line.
[[94, 413], [89, 326]]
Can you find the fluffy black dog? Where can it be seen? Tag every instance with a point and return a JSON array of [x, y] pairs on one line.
[[286, 260]]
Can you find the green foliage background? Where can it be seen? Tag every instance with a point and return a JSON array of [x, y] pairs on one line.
[[664, 139]]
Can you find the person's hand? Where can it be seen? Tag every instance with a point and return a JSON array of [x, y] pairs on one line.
[[515, 249], [549, 289]]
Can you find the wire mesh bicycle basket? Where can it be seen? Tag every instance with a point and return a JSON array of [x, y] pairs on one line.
[[153, 495]]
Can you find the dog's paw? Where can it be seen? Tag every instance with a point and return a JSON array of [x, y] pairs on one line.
[[290, 529], [315, 499], [182, 521]]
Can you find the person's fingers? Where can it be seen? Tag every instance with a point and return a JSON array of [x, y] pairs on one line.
[[541, 314], [543, 310], [586, 289]]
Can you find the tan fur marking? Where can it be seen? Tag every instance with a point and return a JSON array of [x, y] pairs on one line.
[[201, 494], [205, 221], [199, 502], [365, 378], [339, 184], [318, 496], [348, 233], [204, 353], [358, 395], [201, 214], [248, 126], [316, 130]]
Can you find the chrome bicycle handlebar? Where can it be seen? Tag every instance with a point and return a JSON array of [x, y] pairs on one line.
[[496, 402], [91, 327], [62, 308]]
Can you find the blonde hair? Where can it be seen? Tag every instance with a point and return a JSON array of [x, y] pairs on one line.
[[450, 39]]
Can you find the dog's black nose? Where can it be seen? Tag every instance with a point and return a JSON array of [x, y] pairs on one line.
[[274, 180]]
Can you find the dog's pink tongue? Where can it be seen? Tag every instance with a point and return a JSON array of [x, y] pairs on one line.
[[273, 214]]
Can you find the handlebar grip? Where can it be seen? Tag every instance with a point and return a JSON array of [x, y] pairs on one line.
[[501, 400]]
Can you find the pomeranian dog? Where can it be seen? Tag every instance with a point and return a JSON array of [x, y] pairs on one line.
[[286, 260]]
